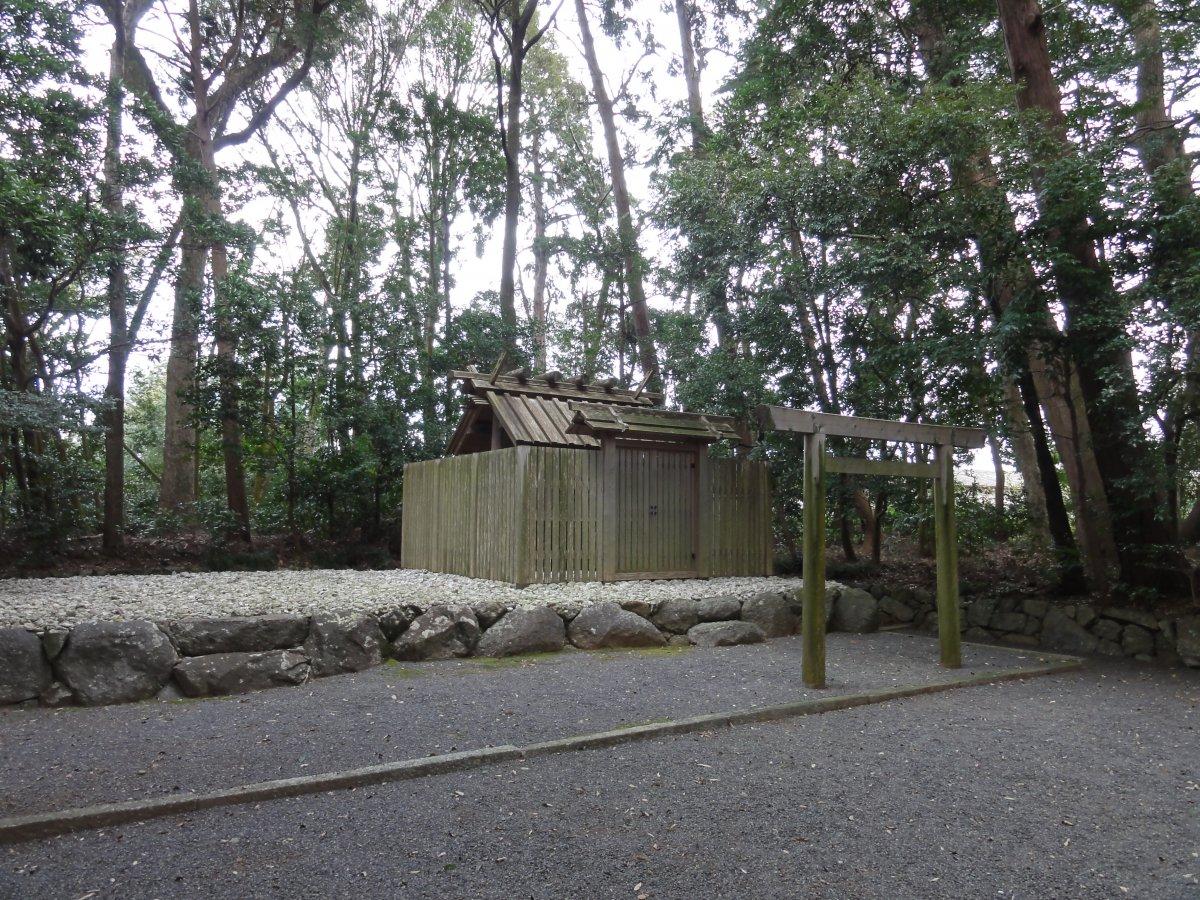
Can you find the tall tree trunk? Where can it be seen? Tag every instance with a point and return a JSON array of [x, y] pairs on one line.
[[541, 254], [519, 19], [178, 489], [627, 235], [691, 74], [227, 386], [241, 68], [998, 473], [181, 460], [1096, 324], [870, 518], [113, 523], [1020, 436]]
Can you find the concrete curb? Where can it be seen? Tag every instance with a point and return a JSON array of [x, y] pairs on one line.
[[23, 828], [41, 825], [780, 711]]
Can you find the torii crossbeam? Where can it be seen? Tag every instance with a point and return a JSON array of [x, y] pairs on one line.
[[815, 427]]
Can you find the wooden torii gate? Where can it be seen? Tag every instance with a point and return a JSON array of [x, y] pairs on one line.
[[814, 428]]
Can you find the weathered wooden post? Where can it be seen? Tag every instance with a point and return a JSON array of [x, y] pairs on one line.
[[608, 511], [945, 533], [813, 611]]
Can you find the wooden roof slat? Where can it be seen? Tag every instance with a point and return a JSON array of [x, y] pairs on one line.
[[539, 421], [528, 426], [594, 418], [561, 415]]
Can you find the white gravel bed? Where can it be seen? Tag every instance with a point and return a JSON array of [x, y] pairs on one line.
[[52, 602]]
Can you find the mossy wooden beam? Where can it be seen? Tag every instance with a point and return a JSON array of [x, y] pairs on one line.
[[835, 465], [946, 540], [805, 421]]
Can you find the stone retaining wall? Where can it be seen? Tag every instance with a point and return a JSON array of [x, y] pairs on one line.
[[95, 664], [1080, 628]]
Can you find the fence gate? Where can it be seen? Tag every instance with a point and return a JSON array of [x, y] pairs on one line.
[[656, 512], [814, 427]]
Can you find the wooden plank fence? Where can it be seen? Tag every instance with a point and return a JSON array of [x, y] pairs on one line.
[[460, 514], [741, 541], [537, 515]]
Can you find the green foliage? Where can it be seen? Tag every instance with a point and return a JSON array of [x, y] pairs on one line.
[[819, 246]]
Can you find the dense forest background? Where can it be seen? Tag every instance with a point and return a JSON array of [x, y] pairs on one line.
[[242, 244]]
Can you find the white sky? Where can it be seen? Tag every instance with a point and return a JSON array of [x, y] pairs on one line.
[[474, 271]]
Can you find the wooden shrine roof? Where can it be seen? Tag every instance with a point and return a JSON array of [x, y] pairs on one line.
[[563, 412]]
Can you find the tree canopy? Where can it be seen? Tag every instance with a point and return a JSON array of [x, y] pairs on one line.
[[242, 246]]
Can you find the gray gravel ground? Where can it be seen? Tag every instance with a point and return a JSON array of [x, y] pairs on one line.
[[72, 757], [1078, 785]]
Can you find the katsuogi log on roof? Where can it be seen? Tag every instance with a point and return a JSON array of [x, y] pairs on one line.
[[551, 384]]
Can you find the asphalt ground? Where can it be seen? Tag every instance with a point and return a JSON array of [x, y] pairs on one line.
[[51, 759], [1085, 784]]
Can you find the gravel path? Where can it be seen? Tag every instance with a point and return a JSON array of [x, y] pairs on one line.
[[1078, 785], [73, 756], [50, 602]]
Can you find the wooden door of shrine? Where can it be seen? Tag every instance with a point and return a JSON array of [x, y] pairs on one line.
[[656, 512]]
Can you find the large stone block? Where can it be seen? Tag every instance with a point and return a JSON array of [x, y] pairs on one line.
[[1131, 616], [236, 673], [237, 634], [676, 615], [1034, 606], [725, 634], [605, 624], [394, 621], [640, 606], [898, 610], [115, 662], [856, 611], [980, 611], [1062, 633], [1008, 622], [772, 613], [526, 629], [1137, 640], [1187, 640], [343, 641], [444, 631], [489, 612], [24, 671], [718, 609]]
